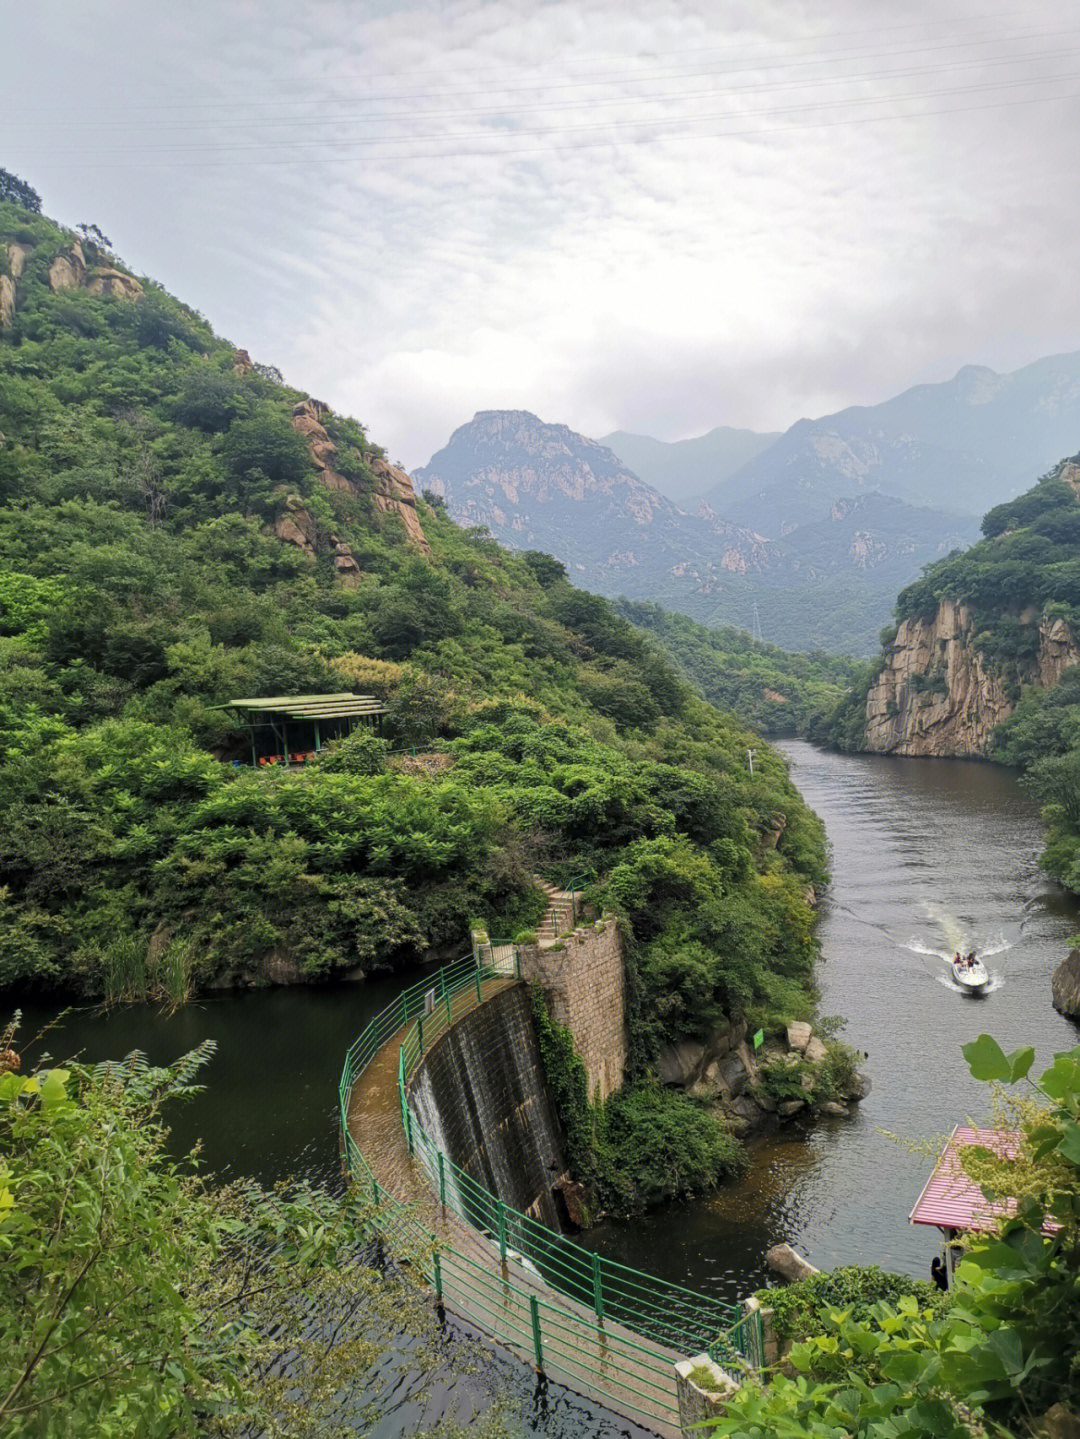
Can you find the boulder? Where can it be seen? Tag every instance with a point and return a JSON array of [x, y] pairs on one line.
[[1065, 985], [745, 1108], [732, 1073], [815, 1050], [833, 1106], [790, 1107], [789, 1264], [679, 1063], [860, 1089], [764, 1101], [798, 1035], [807, 1082], [1058, 1423]]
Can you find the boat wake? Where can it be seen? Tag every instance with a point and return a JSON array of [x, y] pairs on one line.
[[959, 940]]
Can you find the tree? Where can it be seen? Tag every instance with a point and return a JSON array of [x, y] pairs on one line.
[[142, 1302], [19, 192]]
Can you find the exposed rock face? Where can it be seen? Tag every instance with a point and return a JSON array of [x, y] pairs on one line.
[[68, 270], [242, 363], [114, 283], [393, 489], [1065, 985], [295, 526], [936, 694], [18, 255], [7, 301]]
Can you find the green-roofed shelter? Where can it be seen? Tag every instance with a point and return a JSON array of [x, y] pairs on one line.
[[295, 720]]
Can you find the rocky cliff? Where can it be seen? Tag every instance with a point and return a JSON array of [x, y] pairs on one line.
[[391, 489], [938, 695]]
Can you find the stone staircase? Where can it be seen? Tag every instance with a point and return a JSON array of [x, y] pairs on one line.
[[559, 916]]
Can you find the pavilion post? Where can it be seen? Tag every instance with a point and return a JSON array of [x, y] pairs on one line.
[[318, 745]]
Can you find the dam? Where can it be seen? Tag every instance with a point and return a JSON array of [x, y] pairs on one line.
[[448, 1127]]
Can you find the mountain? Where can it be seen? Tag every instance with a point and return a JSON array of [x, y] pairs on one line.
[[179, 528], [962, 445], [827, 585], [684, 469]]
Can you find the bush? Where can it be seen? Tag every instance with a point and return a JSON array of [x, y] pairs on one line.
[[658, 1145], [801, 1307], [358, 753]]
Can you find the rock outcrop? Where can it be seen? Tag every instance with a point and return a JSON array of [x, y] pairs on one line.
[[68, 270], [104, 280], [16, 255], [789, 1264], [1065, 986], [392, 492], [937, 694]]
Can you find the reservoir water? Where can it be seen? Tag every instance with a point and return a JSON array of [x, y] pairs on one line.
[[927, 856]]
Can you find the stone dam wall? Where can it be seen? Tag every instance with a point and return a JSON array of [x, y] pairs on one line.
[[584, 983], [480, 1095]]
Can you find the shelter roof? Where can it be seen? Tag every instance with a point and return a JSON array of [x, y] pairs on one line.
[[325, 706], [950, 1200]]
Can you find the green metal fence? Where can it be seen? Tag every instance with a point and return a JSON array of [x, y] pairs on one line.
[[600, 1325]]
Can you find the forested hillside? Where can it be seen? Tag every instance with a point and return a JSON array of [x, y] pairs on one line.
[[179, 528], [778, 692]]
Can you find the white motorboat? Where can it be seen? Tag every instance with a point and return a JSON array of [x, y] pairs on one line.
[[970, 973]]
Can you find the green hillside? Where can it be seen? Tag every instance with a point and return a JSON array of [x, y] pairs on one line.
[[776, 691], [168, 542]]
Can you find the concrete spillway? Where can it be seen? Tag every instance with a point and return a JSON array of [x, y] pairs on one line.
[[479, 1093]]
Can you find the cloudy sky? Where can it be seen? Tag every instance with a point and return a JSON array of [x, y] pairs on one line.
[[656, 217]]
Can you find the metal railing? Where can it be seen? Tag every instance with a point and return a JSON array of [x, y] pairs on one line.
[[600, 1325]]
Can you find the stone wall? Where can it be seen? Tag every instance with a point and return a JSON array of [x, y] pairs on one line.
[[480, 1095], [584, 983]]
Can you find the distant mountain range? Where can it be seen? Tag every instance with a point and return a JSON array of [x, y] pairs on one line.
[[812, 535], [683, 470]]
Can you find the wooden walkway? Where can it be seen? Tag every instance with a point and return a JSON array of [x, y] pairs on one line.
[[624, 1371]]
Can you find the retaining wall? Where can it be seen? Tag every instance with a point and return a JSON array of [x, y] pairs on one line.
[[584, 983]]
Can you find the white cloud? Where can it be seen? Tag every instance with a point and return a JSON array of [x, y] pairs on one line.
[[660, 222]]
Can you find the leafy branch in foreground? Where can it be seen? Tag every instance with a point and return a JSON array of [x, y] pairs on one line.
[[139, 1300]]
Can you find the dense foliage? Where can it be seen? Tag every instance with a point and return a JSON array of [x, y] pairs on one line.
[[145, 471], [1002, 1350], [645, 1144], [139, 1300], [801, 1309], [778, 692]]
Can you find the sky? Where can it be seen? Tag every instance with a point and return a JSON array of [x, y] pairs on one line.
[[658, 218]]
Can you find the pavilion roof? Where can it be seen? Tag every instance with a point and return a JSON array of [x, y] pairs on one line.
[[325, 706], [951, 1200]]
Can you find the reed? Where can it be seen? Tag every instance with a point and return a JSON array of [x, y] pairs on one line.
[[172, 973], [124, 970]]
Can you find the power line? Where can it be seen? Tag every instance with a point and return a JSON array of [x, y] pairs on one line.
[[258, 122], [615, 125], [770, 62]]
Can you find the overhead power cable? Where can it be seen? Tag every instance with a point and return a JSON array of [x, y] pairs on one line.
[[382, 117], [567, 131]]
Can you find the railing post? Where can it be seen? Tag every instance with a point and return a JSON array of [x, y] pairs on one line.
[[420, 1031], [404, 1010], [517, 961], [446, 996], [479, 996], [597, 1288], [502, 1230], [408, 1128], [438, 1276], [442, 1179], [538, 1347]]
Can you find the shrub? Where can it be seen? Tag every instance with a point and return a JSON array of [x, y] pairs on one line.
[[801, 1307]]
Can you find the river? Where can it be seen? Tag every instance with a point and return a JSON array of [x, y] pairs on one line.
[[927, 856]]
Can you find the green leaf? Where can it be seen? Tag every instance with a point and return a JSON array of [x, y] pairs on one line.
[[986, 1059], [1020, 1061], [1069, 1147]]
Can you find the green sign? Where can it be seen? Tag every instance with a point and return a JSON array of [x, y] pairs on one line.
[[759, 1039]]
